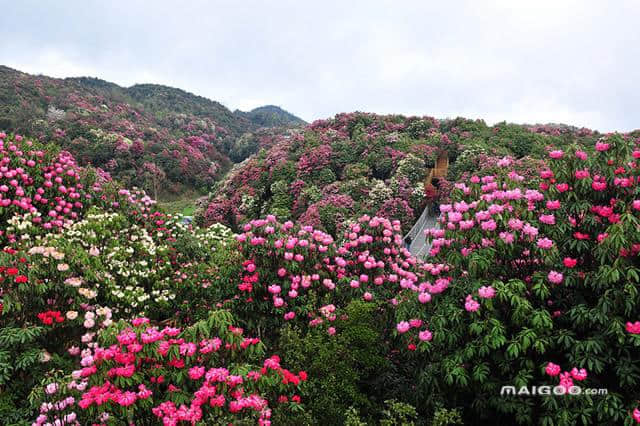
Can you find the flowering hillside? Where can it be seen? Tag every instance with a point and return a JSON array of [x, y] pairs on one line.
[[355, 164], [155, 137], [112, 312]]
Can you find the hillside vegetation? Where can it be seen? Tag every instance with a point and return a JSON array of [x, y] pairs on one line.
[[159, 138], [292, 298], [360, 163]]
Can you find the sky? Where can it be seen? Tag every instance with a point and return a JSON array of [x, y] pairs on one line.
[[575, 62]]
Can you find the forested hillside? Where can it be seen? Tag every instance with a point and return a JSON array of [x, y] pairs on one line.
[[159, 138]]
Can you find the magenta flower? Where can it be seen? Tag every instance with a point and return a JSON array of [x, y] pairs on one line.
[[552, 369], [633, 327], [580, 374], [555, 277], [545, 243]]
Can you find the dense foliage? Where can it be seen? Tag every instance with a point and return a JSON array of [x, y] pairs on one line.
[[271, 116], [113, 312], [359, 163]]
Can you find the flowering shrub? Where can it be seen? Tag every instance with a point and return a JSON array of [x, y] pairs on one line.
[[300, 274], [140, 372], [377, 161], [123, 314], [37, 182], [540, 276]]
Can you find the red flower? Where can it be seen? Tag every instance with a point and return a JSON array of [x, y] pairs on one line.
[[569, 262], [12, 271], [21, 279]]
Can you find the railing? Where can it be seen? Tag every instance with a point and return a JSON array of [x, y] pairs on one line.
[[419, 246], [415, 229]]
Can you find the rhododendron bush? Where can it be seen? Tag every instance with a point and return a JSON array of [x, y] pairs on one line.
[[544, 277], [300, 274], [139, 372], [355, 164], [113, 312]]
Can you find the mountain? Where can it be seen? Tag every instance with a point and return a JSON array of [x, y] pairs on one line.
[[160, 138], [271, 116]]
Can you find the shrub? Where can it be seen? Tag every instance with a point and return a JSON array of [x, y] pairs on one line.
[[543, 281]]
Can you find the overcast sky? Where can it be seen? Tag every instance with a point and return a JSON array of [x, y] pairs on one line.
[[576, 62]]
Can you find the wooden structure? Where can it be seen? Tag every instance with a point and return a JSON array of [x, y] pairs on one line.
[[439, 171]]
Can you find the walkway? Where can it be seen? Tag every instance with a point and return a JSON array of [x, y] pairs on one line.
[[419, 246]]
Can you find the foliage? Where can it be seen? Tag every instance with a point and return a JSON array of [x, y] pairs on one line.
[[355, 154]]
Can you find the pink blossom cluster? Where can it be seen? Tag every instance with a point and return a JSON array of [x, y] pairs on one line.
[[32, 183]]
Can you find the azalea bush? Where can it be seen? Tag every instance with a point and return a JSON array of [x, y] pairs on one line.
[[118, 313], [544, 286], [355, 164], [143, 373]]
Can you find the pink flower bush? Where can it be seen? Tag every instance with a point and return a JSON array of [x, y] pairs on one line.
[[131, 375]]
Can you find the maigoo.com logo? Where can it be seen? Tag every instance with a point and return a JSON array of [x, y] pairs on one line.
[[550, 390]]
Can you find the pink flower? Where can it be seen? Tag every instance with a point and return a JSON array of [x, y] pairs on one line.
[[581, 155], [556, 154], [552, 369], [425, 335], [139, 321], [424, 297], [415, 323], [529, 230], [633, 327], [555, 277], [489, 225], [601, 146], [127, 398], [470, 304], [515, 224], [580, 374], [331, 331], [582, 174], [486, 292], [507, 237], [274, 289], [51, 388], [403, 327], [553, 204], [636, 415], [569, 262], [545, 243], [548, 219], [196, 372]]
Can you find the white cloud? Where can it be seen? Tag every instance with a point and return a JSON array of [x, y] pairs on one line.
[[523, 61]]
